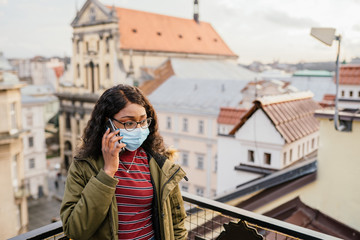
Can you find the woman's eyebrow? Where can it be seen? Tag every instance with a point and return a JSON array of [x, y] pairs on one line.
[[144, 115]]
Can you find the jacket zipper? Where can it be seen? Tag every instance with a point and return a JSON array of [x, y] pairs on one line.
[[110, 209]]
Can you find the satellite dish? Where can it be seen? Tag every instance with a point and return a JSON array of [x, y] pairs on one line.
[[325, 35]]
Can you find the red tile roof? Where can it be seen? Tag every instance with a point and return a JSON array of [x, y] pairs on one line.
[[292, 114], [59, 71], [349, 75], [230, 115], [155, 32]]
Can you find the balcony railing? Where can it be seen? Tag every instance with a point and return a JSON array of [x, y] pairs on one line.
[[206, 219]]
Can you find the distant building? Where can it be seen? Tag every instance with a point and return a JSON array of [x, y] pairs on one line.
[[38, 70], [187, 110], [274, 134], [192, 69], [34, 146], [13, 210], [111, 45], [349, 86]]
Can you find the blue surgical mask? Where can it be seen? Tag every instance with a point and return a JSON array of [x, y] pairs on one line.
[[135, 138]]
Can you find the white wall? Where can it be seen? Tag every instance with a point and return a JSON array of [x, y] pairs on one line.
[[229, 156], [37, 175]]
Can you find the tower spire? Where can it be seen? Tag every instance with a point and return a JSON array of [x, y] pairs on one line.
[[196, 11]]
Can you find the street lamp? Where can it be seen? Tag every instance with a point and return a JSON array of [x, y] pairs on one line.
[[327, 36]]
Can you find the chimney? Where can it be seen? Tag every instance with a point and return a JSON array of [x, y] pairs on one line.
[[196, 11]]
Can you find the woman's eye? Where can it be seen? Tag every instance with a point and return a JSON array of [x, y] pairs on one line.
[[129, 124]]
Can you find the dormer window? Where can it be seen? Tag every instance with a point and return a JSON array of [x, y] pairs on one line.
[[351, 93], [92, 15]]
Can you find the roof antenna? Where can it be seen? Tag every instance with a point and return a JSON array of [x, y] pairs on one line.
[[196, 11]]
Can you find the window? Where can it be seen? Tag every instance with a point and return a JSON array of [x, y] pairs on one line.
[[215, 164], [13, 115], [307, 147], [107, 71], [92, 15], [200, 162], [185, 159], [78, 46], [78, 126], [351, 93], [87, 47], [299, 151], [290, 155], [168, 123], [284, 158], [68, 122], [267, 158], [251, 156], [78, 70], [15, 171], [31, 141], [185, 125], [29, 120], [184, 187], [201, 126], [313, 143], [107, 44], [31, 163], [200, 191], [18, 216], [359, 94], [342, 93]]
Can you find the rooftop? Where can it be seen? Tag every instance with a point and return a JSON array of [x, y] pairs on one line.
[[292, 114], [145, 31], [349, 74], [200, 96], [229, 115]]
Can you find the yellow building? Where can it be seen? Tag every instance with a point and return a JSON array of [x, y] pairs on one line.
[[335, 191], [13, 208], [112, 45]]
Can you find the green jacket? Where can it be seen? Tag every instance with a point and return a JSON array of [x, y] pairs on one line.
[[89, 209]]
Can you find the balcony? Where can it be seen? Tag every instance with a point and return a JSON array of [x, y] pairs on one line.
[[207, 219]]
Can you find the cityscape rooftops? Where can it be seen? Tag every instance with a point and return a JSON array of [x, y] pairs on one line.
[[349, 74], [292, 114], [197, 95], [147, 31]]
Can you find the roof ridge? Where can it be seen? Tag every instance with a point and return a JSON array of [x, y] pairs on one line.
[[159, 14], [285, 97]]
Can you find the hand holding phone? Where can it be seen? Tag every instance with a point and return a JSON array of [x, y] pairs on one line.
[[112, 127]]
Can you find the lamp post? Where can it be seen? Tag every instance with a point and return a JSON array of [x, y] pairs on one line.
[[327, 36]]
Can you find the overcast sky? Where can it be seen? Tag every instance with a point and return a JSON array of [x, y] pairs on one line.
[[256, 30]]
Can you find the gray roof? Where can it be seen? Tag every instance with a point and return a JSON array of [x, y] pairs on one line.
[[9, 79], [197, 96], [46, 89], [4, 63], [26, 99], [318, 85], [210, 69]]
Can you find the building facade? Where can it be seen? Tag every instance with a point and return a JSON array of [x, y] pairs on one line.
[[34, 146], [110, 45], [13, 209], [274, 134]]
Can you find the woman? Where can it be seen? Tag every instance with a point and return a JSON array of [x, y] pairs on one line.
[[123, 186]]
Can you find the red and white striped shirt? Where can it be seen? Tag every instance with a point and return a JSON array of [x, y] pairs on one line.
[[134, 195]]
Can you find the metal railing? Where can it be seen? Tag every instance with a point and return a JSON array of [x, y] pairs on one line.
[[206, 219]]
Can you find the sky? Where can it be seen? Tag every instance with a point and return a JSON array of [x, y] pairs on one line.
[[256, 30]]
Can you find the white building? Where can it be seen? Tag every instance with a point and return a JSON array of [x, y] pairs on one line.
[[187, 111], [34, 146], [349, 86], [275, 133]]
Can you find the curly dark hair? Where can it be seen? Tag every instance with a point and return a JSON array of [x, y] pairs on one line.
[[110, 103]]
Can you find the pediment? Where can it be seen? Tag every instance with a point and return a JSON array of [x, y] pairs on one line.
[[92, 13]]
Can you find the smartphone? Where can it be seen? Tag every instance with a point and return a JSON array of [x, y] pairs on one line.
[[112, 127]]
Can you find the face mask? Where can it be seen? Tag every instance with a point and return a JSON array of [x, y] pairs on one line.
[[135, 138]]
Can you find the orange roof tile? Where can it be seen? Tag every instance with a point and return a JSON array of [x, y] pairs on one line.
[[349, 75], [155, 32], [230, 115], [293, 118], [59, 71]]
